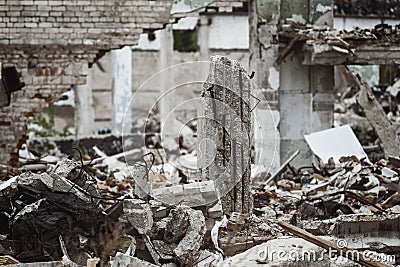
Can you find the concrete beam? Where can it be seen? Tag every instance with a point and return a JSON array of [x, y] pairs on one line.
[[324, 54]]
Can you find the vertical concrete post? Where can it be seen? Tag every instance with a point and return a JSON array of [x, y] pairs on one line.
[[224, 133], [203, 37], [322, 84], [84, 111], [264, 49], [121, 120], [295, 101], [166, 101], [322, 79], [306, 92]]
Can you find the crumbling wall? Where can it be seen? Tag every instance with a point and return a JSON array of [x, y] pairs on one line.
[[53, 43]]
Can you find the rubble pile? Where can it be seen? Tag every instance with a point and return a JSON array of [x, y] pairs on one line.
[[139, 208], [66, 215], [95, 213], [323, 199], [345, 39], [353, 187], [96, 217]]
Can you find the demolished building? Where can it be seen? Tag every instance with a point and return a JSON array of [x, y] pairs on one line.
[[169, 191]]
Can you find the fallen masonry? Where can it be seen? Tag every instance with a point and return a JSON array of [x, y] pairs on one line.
[[104, 211]]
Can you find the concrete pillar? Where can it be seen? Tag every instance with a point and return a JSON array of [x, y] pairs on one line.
[[203, 37], [224, 133], [84, 111], [263, 52], [322, 81], [306, 92], [166, 100], [121, 119], [295, 101]]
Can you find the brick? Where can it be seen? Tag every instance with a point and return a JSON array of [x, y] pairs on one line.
[[73, 32], [41, 3], [29, 25], [26, 2], [13, 13], [55, 3]]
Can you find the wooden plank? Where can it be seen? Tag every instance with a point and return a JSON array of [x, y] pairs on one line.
[[282, 168]]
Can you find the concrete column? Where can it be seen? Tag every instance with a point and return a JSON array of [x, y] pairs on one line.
[[306, 92], [322, 78], [84, 111], [263, 52], [322, 82], [121, 119], [166, 102], [203, 37], [224, 133], [295, 101]]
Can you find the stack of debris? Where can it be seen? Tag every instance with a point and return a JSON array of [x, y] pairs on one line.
[[61, 215], [105, 212], [82, 215]]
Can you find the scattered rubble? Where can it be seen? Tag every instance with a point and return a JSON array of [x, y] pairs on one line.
[[100, 209], [342, 197]]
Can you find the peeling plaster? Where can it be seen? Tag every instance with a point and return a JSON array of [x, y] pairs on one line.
[[273, 78]]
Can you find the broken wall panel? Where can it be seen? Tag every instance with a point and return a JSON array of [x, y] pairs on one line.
[[374, 232]]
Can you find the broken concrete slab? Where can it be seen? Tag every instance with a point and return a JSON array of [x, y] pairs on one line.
[[52, 186], [377, 232], [193, 194], [165, 250], [158, 209], [208, 259], [186, 227], [215, 211], [377, 117], [236, 221], [74, 172], [139, 214]]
